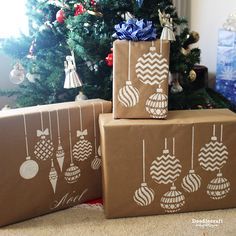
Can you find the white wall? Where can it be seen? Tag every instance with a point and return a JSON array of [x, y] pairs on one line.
[[5, 68], [207, 17]]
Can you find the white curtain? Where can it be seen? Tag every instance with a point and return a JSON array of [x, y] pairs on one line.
[[182, 7]]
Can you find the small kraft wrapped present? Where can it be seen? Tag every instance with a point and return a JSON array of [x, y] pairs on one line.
[[186, 163], [50, 158], [140, 71]]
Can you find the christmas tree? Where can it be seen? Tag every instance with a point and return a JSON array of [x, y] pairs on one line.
[[59, 28]]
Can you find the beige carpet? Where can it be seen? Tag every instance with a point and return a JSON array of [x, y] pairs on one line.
[[85, 221]]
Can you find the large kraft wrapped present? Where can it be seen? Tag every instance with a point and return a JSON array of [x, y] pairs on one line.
[[186, 163], [50, 158], [140, 71]]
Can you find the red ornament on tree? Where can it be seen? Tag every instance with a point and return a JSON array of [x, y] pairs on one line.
[[93, 3], [79, 9], [109, 59], [60, 16]]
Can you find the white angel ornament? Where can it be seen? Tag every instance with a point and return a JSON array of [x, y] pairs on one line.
[[167, 24], [72, 79]]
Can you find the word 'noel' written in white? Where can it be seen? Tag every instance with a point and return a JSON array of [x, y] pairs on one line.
[[68, 199]]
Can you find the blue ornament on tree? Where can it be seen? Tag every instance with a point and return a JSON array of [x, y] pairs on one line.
[[139, 2]]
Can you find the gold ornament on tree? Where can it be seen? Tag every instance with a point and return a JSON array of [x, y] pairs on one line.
[[192, 38], [192, 75]]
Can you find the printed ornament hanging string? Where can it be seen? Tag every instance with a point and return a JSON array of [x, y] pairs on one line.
[[72, 173], [43, 150], [82, 150], [60, 154], [53, 176], [29, 168], [129, 95], [96, 162], [213, 156], [191, 182], [144, 195], [72, 79]]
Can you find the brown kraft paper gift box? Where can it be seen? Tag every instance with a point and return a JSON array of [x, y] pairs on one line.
[[186, 163], [50, 158], [140, 77]]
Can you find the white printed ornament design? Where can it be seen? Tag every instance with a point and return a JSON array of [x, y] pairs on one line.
[[214, 154], [152, 68], [72, 173], [53, 176], [60, 154], [128, 95], [191, 182], [29, 168], [157, 105], [83, 148], [166, 168], [218, 188], [144, 195], [173, 200]]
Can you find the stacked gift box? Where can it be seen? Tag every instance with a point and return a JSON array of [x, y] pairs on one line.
[[151, 162], [226, 64]]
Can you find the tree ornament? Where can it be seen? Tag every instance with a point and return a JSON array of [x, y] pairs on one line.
[[43, 150], [140, 3], [81, 96], [129, 95], [17, 74], [218, 188], [192, 38], [173, 200], [53, 176], [60, 16], [82, 150], [95, 13], [79, 9], [167, 24], [191, 182], [60, 154], [72, 173], [166, 168], [109, 59], [175, 85], [157, 104], [96, 162], [29, 168], [72, 79], [144, 196], [32, 77], [32, 48], [192, 75]]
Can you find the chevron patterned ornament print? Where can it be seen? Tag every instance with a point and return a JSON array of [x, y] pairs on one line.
[[214, 155], [167, 168], [82, 150], [173, 200], [152, 68], [144, 195], [43, 150], [157, 105]]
